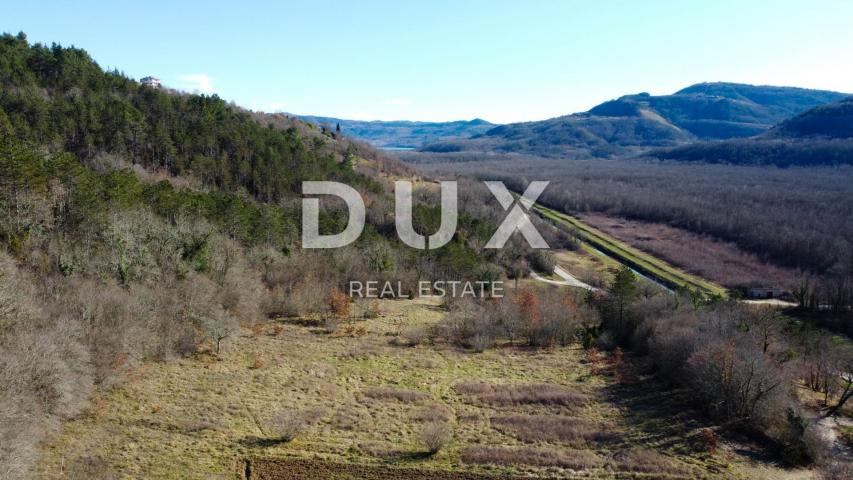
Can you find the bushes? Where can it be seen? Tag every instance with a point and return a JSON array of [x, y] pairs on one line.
[[338, 303], [286, 425], [573, 431], [735, 379], [521, 394], [414, 334], [539, 457], [646, 461], [723, 354], [542, 261], [44, 371], [435, 435], [542, 318], [433, 413], [397, 394]]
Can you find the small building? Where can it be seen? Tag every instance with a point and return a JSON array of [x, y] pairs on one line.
[[764, 292], [152, 82]]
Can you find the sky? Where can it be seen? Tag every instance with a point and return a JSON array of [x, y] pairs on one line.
[[443, 60]]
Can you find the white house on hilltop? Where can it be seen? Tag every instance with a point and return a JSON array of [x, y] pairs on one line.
[[152, 82]]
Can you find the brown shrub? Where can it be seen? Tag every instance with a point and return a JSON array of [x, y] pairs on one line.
[[351, 331], [435, 435], [433, 413], [710, 441], [573, 459], [521, 394], [414, 335], [373, 309], [398, 394], [338, 303], [287, 424], [276, 330], [553, 428], [257, 330], [646, 461]]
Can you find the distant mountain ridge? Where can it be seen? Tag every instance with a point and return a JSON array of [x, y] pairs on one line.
[[403, 133], [634, 123], [819, 136]]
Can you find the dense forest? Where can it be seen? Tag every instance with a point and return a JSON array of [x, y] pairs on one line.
[[800, 218]]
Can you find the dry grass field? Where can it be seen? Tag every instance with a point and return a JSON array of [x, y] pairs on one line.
[[367, 400]]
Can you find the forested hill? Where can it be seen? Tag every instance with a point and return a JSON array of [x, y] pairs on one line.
[[834, 120], [820, 136], [138, 223], [634, 123], [402, 134], [60, 98]]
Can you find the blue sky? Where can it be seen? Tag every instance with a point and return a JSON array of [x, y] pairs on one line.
[[444, 60]]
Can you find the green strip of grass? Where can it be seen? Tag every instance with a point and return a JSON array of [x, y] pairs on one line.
[[636, 259]]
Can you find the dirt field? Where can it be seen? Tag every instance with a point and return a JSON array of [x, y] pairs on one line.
[[720, 262], [514, 412]]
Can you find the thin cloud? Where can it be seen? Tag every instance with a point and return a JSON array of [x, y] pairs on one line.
[[196, 83]]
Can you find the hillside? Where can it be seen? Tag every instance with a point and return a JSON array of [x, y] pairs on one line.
[[820, 136], [402, 134], [634, 123], [834, 120], [137, 224]]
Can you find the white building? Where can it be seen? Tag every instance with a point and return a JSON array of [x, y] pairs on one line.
[[152, 82]]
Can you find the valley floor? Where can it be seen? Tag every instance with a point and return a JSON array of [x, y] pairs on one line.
[[367, 397], [701, 255]]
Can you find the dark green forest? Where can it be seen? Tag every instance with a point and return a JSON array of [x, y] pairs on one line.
[[60, 98]]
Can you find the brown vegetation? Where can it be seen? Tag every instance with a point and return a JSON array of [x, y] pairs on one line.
[[540, 457], [287, 424], [396, 394], [435, 435], [573, 431], [797, 218], [521, 394], [722, 262]]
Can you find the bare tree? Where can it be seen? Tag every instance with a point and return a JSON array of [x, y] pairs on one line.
[[841, 377], [218, 330]]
